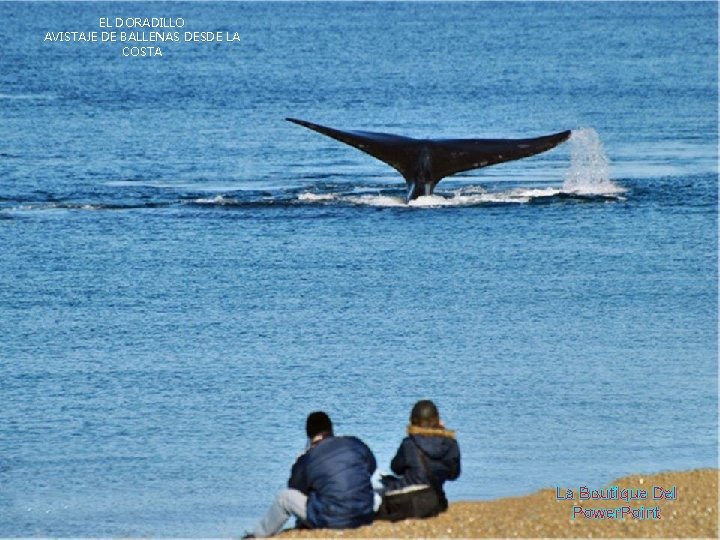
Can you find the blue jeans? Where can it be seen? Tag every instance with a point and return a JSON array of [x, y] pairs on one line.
[[289, 502]]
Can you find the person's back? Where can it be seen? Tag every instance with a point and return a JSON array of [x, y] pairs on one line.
[[335, 474], [329, 484], [429, 455], [442, 456]]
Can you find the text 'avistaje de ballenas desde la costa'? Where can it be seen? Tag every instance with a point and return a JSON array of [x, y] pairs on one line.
[[141, 37]]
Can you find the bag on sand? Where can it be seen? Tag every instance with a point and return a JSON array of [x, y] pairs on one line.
[[411, 502]]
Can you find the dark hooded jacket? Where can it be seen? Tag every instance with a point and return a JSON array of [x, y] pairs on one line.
[[335, 475], [442, 457]]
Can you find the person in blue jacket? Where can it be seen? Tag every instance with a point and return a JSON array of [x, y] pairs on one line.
[[329, 484], [429, 455]]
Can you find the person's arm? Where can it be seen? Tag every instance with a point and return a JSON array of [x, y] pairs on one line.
[[399, 463], [370, 459], [454, 462], [298, 477]]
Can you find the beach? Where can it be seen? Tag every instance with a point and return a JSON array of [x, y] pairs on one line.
[[541, 515]]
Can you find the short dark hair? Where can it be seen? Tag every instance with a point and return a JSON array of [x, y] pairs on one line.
[[318, 423], [425, 414]]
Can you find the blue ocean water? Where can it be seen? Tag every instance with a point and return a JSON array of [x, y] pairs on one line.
[[185, 275]]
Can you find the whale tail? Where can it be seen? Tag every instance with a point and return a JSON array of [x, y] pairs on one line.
[[424, 162]]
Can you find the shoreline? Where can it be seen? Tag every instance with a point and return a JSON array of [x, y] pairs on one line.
[[688, 510]]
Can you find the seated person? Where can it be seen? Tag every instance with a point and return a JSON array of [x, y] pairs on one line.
[[329, 484], [428, 456]]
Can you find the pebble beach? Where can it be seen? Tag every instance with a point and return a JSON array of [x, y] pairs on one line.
[[692, 514]]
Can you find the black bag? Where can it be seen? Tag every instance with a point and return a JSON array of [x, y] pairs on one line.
[[414, 501], [419, 503]]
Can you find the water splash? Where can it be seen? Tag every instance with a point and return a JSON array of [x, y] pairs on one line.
[[589, 172]]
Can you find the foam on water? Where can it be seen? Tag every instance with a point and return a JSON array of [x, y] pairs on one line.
[[379, 200], [316, 197], [219, 200], [466, 196]]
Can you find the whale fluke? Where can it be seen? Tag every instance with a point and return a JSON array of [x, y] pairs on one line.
[[424, 162]]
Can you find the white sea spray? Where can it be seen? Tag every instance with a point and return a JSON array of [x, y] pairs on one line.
[[589, 172]]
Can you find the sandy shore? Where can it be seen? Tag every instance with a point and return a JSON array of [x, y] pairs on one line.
[[692, 514]]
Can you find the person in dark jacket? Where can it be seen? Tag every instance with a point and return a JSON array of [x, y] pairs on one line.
[[329, 484], [429, 455]]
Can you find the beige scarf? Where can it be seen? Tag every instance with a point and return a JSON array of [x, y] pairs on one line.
[[431, 432]]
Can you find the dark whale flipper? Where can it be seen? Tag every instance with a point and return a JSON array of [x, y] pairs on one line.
[[396, 151], [424, 162], [451, 156]]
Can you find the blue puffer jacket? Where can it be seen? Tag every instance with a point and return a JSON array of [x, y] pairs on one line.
[[442, 456], [335, 475]]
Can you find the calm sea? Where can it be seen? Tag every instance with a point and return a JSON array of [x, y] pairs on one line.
[[184, 275]]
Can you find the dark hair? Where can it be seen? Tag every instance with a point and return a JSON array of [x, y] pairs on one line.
[[425, 414], [318, 422]]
